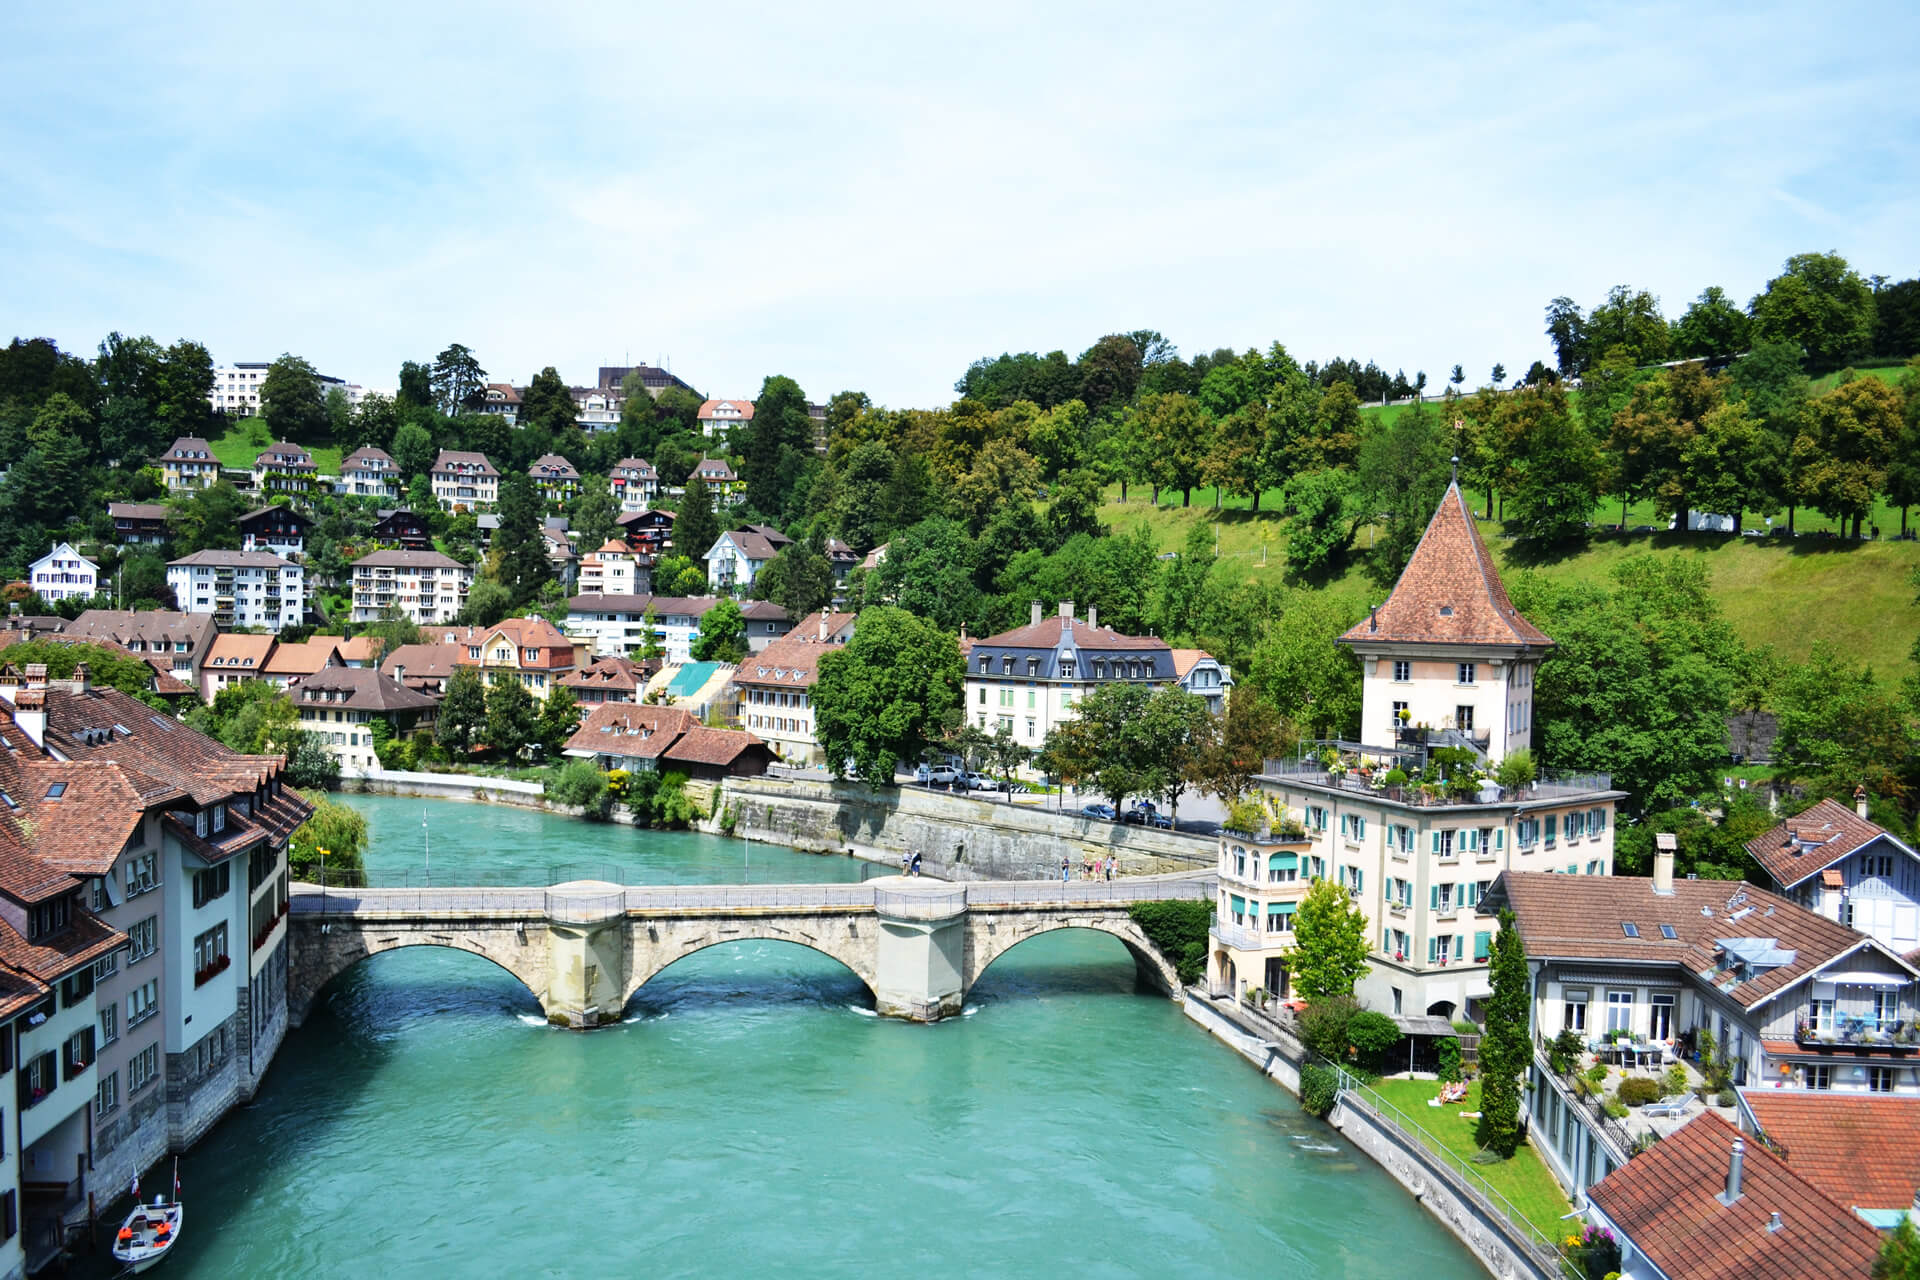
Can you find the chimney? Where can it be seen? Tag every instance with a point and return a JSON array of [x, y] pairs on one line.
[[82, 681], [1066, 610], [1373, 618], [36, 675], [1034, 619], [30, 713], [1665, 845], [1860, 801], [1736, 1165], [1093, 616], [1774, 1222], [823, 626]]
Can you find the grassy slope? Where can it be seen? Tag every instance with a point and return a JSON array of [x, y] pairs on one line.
[[237, 448], [1858, 596], [1524, 1180]]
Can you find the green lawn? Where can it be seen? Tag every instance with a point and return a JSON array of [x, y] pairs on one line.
[[1787, 593], [247, 438], [1524, 1180]]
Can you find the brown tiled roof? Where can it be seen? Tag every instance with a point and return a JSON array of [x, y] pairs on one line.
[[640, 466], [123, 626], [1828, 832], [237, 651], [189, 449], [1450, 591], [553, 465], [105, 724], [762, 611], [360, 649], [164, 681], [615, 673], [791, 662], [416, 665], [303, 659], [625, 729], [1184, 660], [284, 511], [712, 469], [217, 556], [1667, 1201], [1833, 878], [753, 545], [1861, 1149], [366, 453], [451, 458], [1046, 635], [1571, 917], [701, 745], [49, 959], [137, 510], [360, 689], [284, 454]]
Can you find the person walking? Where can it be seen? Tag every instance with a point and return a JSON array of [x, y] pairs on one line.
[[1109, 868], [916, 864], [1064, 877]]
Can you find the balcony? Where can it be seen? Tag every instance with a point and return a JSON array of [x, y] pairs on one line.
[[1361, 771], [1244, 937], [1858, 1035]]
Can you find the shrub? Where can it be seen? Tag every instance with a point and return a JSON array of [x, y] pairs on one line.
[[1563, 1052], [1179, 929], [580, 784], [1724, 1098], [1597, 1073], [1396, 777], [1638, 1091], [1319, 1089], [1448, 1052], [1675, 1079], [1466, 1027], [1517, 770], [1372, 1036], [1247, 816], [1616, 1108], [1323, 1025]]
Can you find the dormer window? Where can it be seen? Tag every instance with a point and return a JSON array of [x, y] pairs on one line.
[[1006, 666], [200, 823]]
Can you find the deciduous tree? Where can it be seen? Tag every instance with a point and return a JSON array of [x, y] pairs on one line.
[[462, 718], [511, 721], [1329, 953], [723, 634], [1840, 457], [291, 402], [1819, 304], [888, 694]]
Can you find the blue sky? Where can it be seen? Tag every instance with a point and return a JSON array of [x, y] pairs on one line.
[[870, 197]]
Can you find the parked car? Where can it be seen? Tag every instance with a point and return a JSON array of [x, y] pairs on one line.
[[939, 774], [976, 781], [1098, 811], [1147, 814]]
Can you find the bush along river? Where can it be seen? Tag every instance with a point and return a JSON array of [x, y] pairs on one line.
[[750, 1111]]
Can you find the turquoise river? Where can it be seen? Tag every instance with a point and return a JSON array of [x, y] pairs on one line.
[[752, 1116]]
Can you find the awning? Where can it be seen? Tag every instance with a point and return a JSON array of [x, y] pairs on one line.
[[1422, 1024], [1282, 860], [1866, 980]]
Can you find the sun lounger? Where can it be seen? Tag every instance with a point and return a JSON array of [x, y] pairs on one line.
[[1673, 1107]]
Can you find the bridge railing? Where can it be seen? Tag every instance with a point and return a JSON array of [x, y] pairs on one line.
[[935, 903], [1040, 892], [585, 908], [463, 899]]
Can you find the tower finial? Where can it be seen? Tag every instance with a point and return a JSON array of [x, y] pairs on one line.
[[1456, 468]]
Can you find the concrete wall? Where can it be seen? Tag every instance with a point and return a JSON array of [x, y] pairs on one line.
[[445, 786], [1278, 1056], [957, 837]]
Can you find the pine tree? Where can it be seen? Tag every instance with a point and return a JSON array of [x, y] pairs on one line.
[[695, 527], [1505, 1049], [519, 547]]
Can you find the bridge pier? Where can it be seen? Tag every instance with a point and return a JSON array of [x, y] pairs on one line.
[[587, 954], [921, 961]]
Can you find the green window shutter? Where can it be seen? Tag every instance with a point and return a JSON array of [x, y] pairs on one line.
[[1433, 950], [1466, 894], [1436, 842], [1433, 897], [1482, 945], [1500, 838]]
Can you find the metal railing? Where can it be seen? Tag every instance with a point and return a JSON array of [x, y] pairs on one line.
[[920, 904], [585, 908], [1466, 1180], [1590, 1110]]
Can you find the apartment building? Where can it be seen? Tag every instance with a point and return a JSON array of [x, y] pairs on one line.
[[168, 1014], [1029, 679], [283, 467], [465, 481], [368, 472], [339, 706], [634, 484], [531, 651], [615, 569], [1417, 850], [736, 558], [240, 588], [597, 409], [617, 625], [189, 464], [556, 479], [1263, 877], [424, 586], [64, 574], [236, 388], [649, 532], [776, 686], [234, 658], [281, 530]]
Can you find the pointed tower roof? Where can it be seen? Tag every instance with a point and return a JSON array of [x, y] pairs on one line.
[[1449, 593]]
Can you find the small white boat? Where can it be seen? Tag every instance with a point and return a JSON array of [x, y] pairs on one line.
[[150, 1231]]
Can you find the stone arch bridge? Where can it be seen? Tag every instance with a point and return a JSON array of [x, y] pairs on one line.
[[583, 948]]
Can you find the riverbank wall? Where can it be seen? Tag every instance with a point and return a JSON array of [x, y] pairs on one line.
[[957, 837], [1503, 1249]]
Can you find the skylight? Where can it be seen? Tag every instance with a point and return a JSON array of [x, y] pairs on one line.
[[57, 790], [1629, 928], [1666, 931]]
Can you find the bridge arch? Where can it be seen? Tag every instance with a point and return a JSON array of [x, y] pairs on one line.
[[321, 954], [659, 944], [991, 935]]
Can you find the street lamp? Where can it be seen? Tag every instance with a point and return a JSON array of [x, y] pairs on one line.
[[427, 836]]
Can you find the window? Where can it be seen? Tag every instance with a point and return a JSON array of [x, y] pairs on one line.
[[143, 1068], [1667, 932], [1877, 864], [1463, 718], [1466, 672], [1282, 868], [1239, 862], [106, 966], [1629, 928], [1819, 1076], [109, 1024], [1526, 832], [1661, 1027], [1619, 1011], [1402, 672], [1880, 1079], [1394, 720], [142, 1003], [1573, 1010], [78, 1052], [39, 1078], [47, 918], [1440, 897], [1443, 843], [1066, 668], [212, 883], [142, 937], [1886, 1009], [1820, 1013], [76, 988]]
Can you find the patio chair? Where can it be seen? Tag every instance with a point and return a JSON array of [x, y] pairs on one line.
[[1671, 1108]]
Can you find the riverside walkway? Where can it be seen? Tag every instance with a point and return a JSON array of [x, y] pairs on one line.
[[584, 946]]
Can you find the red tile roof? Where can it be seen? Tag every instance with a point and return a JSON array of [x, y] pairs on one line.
[[1581, 918], [718, 747], [1046, 635], [1450, 591], [1861, 1149], [1667, 1202], [625, 729], [1827, 832]]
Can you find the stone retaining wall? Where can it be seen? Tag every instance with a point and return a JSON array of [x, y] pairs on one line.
[[957, 837], [1500, 1248]]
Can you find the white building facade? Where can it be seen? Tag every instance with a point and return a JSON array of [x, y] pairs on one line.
[[64, 574], [240, 588]]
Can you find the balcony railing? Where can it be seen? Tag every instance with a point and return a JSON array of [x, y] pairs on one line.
[[1858, 1035], [1310, 772]]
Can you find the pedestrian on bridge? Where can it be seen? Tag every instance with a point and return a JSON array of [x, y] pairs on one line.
[[1065, 871]]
